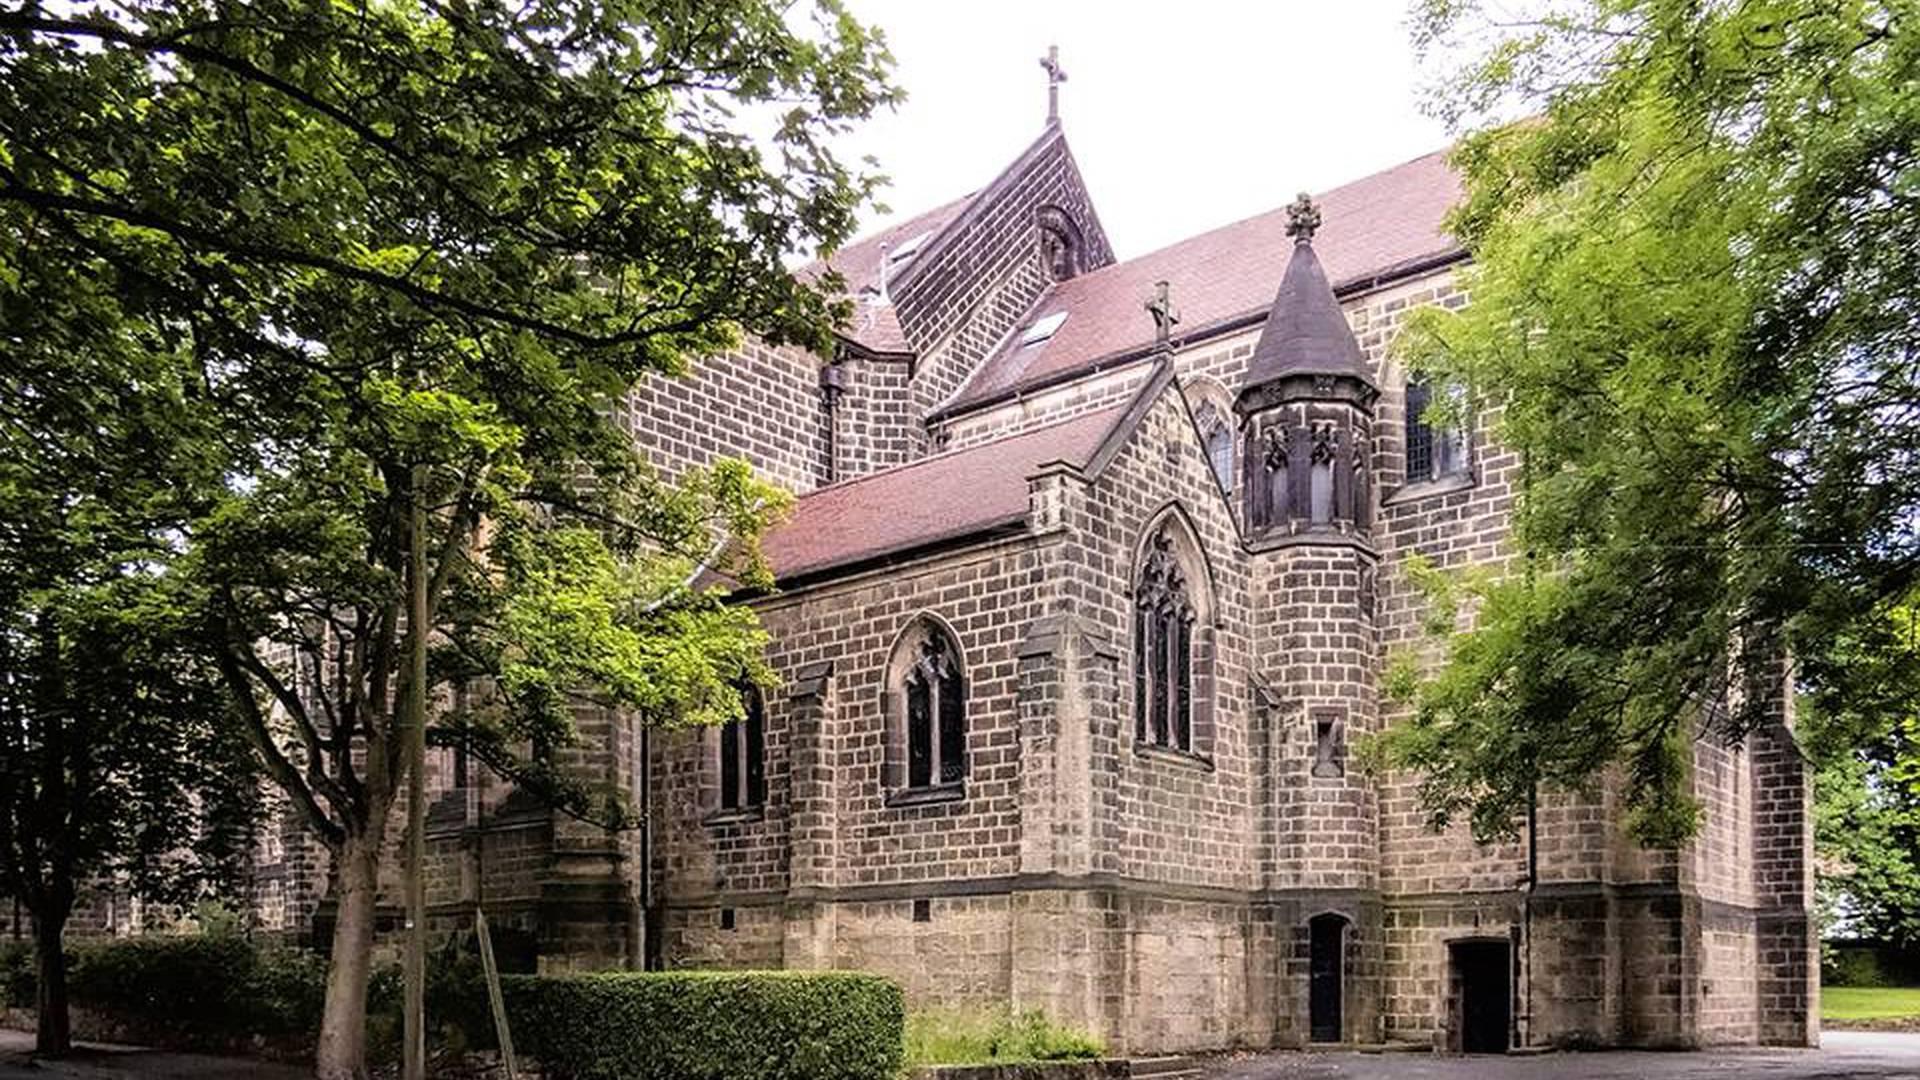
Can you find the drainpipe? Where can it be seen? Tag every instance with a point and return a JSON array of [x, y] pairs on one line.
[[833, 384], [1525, 1024], [644, 947]]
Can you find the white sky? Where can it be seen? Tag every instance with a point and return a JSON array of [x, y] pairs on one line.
[[1183, 114]]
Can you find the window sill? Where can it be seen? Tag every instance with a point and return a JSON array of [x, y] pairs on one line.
[[1426, 489], [935, 794], [1186, 759], [738, 815]]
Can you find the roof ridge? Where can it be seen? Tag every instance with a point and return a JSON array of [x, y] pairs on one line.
[[895, 470], [1242, 221]]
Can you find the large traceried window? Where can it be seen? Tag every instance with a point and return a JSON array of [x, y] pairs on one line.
[[743, 755], [1167, 631], [927, 699]]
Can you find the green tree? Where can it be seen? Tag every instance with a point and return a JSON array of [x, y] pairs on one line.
[[1695, 283], [1865, 746], [407, 257], [116, 769]]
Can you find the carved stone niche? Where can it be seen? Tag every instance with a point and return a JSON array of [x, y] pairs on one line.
[[1307, 467]]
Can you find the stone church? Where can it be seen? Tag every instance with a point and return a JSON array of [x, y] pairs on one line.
[[1081, 614]]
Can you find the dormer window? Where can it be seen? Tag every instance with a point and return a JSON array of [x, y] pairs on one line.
[[1042, 329]]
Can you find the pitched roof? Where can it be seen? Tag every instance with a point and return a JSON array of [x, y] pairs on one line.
[[1305, 333], [1373, 228], [944, 497], [859, 261]]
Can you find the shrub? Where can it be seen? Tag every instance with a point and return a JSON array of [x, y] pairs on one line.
[[989, 1036], [17, 975], [773, 1025], [201, 991]]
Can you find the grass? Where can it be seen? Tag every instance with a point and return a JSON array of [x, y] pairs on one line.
[[992, 1036], [1869, 1002]]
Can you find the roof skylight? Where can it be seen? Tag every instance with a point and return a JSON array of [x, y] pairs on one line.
[[1042, 329], [908, 247]]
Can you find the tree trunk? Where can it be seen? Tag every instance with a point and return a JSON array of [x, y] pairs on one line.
[[342, 1053], [53, 1032]]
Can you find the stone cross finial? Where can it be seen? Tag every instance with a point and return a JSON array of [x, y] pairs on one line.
[[1055, 76], [1165, 316], [1303, 219]]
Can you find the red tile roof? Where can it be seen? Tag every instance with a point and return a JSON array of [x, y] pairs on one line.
[[943, 497], [875, 324], [1371, 228], [859, 261]]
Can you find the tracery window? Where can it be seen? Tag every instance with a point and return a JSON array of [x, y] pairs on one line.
[[743, 755], [1163, 635], [928, 685], [1217, 435], [1432, 453]]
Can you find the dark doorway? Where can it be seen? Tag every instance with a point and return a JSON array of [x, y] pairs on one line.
[[1327, 938], [1483, 979]]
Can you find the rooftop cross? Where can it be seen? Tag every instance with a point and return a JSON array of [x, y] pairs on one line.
[[1165, 316], [1055, 76], [1303, 219]]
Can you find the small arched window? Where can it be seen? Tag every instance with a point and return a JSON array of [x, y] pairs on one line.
[[928, 699], [1217, 436], [1432, 452], [743, 754], [1163, 637]]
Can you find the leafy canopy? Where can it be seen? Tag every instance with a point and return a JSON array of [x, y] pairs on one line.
[[1694, 292]]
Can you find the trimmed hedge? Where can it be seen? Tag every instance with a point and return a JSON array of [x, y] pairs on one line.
[[710, 1025], [229, 993]]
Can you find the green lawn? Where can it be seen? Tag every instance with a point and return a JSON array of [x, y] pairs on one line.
[[1868, 1002]]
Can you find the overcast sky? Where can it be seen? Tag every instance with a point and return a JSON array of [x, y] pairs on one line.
[[1183, 114]]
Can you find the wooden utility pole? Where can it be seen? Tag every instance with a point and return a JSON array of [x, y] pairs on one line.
[[414, 1051]]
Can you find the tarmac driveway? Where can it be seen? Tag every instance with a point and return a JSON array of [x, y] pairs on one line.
[[1843, 1055]]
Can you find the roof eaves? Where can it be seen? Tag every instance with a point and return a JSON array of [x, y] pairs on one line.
[[975, 532]]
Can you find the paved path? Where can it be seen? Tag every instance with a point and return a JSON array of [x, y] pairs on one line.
[[1844, 1055], [93, 1061]]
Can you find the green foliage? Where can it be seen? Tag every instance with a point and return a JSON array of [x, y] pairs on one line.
[[16, 975], [294, 268], [189, 991], [206, 990], [1864, 742], [992, 1036], [1867, 965], [1695, 267], [774, 1025]]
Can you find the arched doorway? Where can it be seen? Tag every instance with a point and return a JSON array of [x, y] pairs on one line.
[[1326, 977]]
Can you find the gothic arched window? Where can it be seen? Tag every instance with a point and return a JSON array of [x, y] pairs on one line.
[[1163, 643], [928, 703], [1217, 435], [743, 755], [1432, 452]]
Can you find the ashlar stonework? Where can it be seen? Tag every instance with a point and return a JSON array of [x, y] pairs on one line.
[[1082, 611]]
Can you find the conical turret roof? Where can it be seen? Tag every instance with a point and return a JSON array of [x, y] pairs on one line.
[[1306, 333]]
